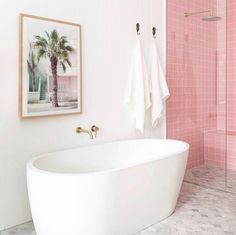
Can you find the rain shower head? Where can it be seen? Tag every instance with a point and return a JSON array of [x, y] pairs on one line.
[[211, 18]]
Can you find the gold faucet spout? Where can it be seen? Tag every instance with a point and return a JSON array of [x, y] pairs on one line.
[[81, 130]]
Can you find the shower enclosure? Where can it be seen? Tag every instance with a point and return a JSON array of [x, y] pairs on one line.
[[201, 75]]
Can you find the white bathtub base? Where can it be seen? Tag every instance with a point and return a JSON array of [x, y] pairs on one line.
[[119, 202]]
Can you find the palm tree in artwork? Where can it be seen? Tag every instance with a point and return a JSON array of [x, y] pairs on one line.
[[32, 68], [57, 49]]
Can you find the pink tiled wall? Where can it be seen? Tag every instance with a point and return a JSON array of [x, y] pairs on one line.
[[191, 75], [215, 151], [231, 151], [221, 65], [202, 107], [215, 148]]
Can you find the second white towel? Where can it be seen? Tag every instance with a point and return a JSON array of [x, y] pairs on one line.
[[159, 88]]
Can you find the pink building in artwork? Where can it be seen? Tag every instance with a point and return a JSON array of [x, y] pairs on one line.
[[67, 87]]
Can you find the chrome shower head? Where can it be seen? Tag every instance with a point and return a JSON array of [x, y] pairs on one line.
[[211, 18]]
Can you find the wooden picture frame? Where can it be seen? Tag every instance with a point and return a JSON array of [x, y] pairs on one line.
[[50, 67]]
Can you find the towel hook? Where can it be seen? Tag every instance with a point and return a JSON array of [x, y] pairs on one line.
[[138, 28], [154, 32]]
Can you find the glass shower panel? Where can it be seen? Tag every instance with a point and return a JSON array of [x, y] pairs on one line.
[[231, 96], [196, 75]]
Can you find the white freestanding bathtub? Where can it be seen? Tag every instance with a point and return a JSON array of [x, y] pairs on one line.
[[116, 188]]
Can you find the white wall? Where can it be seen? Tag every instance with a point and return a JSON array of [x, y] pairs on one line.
[[108, 39]]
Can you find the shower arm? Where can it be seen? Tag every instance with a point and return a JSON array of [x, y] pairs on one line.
[[187, 14]]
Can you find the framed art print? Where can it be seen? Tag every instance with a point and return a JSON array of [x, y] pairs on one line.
[[50, 67]]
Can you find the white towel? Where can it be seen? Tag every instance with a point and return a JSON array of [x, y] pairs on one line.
[[138, 92], [159, 88]]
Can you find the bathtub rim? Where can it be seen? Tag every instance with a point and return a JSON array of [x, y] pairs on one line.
[[30, 163]]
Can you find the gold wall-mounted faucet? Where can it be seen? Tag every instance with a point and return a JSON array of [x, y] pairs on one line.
[[92, 134], [81, 130]]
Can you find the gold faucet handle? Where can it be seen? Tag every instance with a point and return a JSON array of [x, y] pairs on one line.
[[79, 129], [95, 129]]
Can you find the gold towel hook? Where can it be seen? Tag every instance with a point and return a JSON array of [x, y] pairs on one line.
[[154, 32], [138, 28]]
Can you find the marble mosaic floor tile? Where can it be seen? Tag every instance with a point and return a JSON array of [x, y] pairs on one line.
[[200, 211], [212, 177], [24, 229]]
